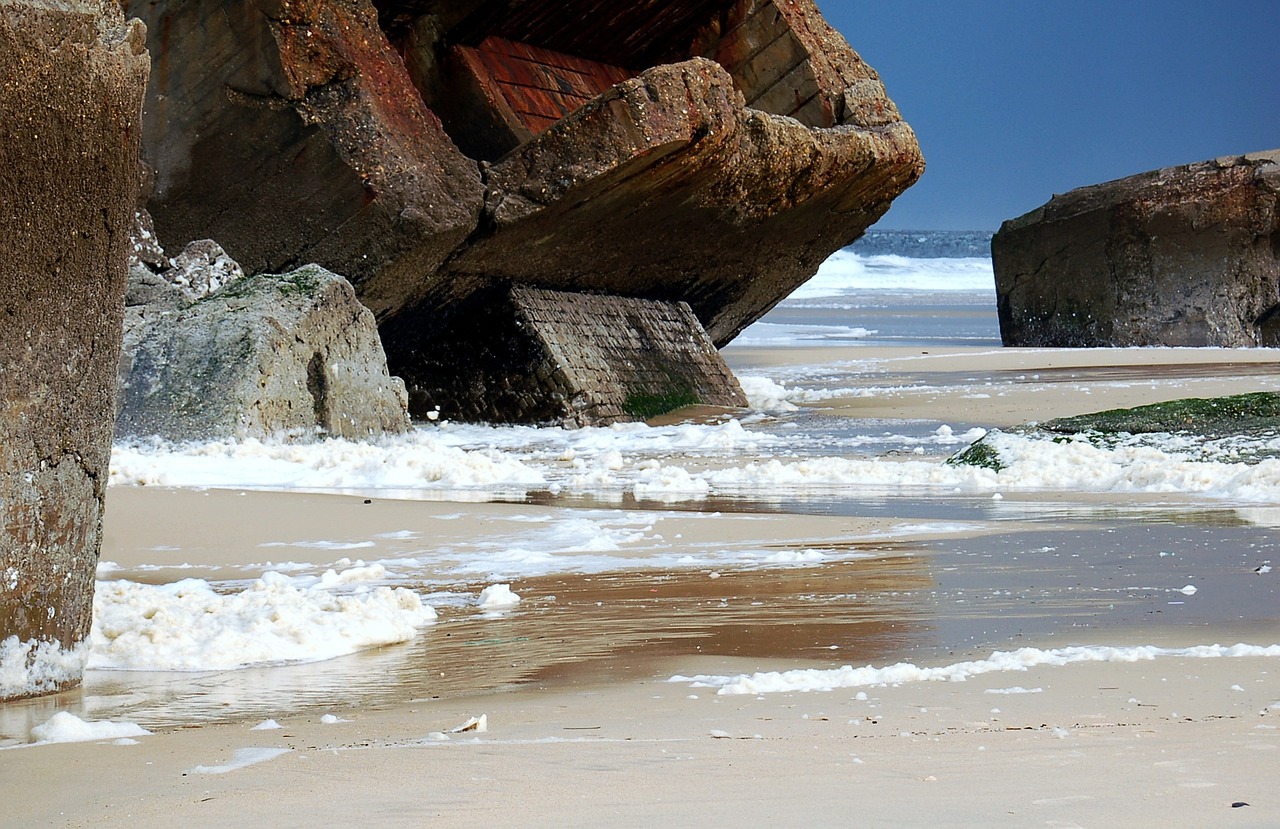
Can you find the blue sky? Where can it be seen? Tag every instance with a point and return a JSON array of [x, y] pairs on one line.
[[1015, 100]]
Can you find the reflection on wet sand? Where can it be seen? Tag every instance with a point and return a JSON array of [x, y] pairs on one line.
[[1100, 575], [567, 630]]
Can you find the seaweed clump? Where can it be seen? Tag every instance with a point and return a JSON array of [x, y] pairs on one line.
[[978, 453], [1251, 417]]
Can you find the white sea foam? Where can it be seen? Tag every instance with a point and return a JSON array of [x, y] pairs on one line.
[[497, 597], [1040, 463], [771, 682], [189, 626], [37, 667], [1030, 464], [65, 727], [766, 395], [780, 334], [240, 759], [720, 459], [320, 545], [420, 460]]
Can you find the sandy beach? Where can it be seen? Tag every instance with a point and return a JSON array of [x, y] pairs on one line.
[[1107, 707], [1170, 742], [369, 301]]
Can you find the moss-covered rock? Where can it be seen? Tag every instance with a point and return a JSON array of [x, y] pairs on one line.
[[1255, 415], [1211, 417], [979, 453]]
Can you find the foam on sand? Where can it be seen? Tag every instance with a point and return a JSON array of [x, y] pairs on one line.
[[727, 458], [773, 682], [65, 727], [498, 597], [243, 757], [189, 626]]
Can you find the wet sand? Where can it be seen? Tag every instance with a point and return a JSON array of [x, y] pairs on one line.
[[584, 728], [1164, 743]]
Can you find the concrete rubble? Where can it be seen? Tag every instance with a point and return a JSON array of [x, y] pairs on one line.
[[439, 154], [1183, 256]]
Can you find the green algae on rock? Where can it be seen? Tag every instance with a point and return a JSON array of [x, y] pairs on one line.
[[1209, 416], [1254, 415]]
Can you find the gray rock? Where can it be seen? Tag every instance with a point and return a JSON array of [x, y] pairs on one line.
[[147, 288], [1184, 256], [72, 77], [265, 355], [146, 248], [202, 268]]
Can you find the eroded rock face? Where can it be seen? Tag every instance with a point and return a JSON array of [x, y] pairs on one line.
[[289, 132], [591, 204], [264, 355], [666, 150], [1184, 256], [72, 76]]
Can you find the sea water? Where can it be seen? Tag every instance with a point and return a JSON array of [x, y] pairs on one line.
[[873, 293]]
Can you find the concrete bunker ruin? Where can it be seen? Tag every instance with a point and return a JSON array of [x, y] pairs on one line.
[[444, 154]]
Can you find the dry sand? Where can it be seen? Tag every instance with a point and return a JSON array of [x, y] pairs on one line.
[[1008, 386], [610, 742]]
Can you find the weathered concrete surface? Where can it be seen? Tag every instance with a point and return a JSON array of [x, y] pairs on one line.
[[263, 355], [674, 150], [289, 132], [1184, 256], [667, 187], [72, 76], [537, 356], [787, 60]]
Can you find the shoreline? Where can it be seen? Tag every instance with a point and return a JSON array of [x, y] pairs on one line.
[[1168, 742], [583, 726]]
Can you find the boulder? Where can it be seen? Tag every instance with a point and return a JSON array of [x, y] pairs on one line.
[[201, 269], [72, 76], [762, 199], [1184, 256], [437, 153], [262, 356]]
